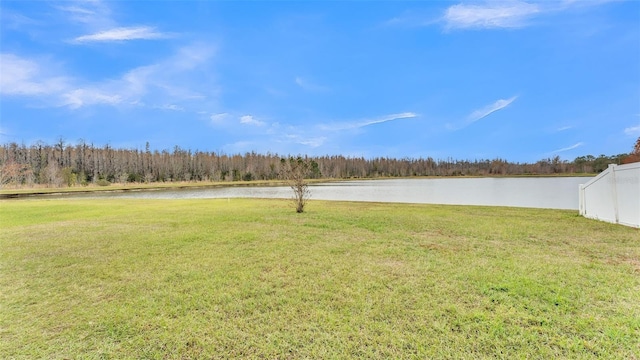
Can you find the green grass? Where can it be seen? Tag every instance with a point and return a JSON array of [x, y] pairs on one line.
[[179, 279]]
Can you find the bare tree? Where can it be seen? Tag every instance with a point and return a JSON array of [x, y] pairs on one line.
[[294, 171], [53, 175], [10, 174], [122, 178], [85, 163], [634, 156]]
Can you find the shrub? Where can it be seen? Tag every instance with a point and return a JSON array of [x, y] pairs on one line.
[[103, 182], [294, 172], [68, 176]]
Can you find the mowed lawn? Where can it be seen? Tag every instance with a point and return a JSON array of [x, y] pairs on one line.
[[246, 278]]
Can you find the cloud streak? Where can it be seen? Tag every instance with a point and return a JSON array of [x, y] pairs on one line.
[[95, 14], [172, 107], [122, 34], [20, 76], [162, 85], [77, 98], [218, 119], [481, 113], [489, 14], [512, 14], [490, 109], [632, 131], [319, 135], [309, 86], [367, 122], [250, 120], [312, 142], [574, 146]]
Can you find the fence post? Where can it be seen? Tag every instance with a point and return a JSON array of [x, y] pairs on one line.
[[612, 168]]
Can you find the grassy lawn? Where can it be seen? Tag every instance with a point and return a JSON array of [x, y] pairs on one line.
[[178, 279]]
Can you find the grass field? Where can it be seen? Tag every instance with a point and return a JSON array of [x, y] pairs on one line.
[[242, 278]]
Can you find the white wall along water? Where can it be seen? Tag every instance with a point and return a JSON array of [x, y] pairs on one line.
[[534, 192]]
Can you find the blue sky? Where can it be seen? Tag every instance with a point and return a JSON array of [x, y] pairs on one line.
[[519, 80]]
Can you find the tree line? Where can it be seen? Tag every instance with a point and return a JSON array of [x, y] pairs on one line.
[[65, 164]]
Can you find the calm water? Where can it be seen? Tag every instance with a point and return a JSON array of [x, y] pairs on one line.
[[553, 193]]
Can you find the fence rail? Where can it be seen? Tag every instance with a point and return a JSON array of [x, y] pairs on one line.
[[613, 196]]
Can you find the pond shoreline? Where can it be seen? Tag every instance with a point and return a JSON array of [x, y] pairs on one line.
[[538, 192], [8, 194], [72, 191], [106, 190]]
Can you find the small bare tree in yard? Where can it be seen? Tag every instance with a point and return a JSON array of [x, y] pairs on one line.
[[294, 171]]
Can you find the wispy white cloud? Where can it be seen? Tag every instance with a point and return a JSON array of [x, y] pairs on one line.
[[98, 24], [240, 146], [92, 15], [632, 131], [177, 78], [510, 14], [122, 34], [193, 55], [162, 85], [412, 19], [309, 86], [316, 136], [564, 128], [15, 21], [481, 113], [574, 146], [78, 98], [219, 119], [172, 107], [563, 4], [313, 142], [490, 109], [80, 14], [488, 14], [362, 123], [250, 120], [20, 76], [278, 137]]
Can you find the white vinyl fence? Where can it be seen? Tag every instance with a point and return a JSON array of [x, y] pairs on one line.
[[613, 196]]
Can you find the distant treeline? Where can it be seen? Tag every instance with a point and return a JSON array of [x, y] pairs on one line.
[[64, 164]]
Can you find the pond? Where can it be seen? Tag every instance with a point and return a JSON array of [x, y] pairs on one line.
[[535, 192]]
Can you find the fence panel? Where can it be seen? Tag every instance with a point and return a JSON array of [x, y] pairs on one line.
[[628, 192], [613, 195]]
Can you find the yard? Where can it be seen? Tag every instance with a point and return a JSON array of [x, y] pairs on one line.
[[251, 278]]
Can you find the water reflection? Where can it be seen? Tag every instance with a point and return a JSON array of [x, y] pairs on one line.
[[553, 193]]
